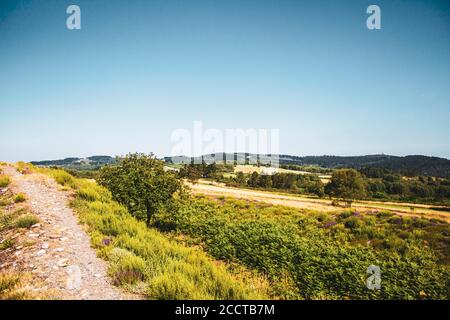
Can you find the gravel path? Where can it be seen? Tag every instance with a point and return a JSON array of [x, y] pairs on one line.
[[64, 259]]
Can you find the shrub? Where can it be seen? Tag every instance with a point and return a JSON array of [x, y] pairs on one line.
[[26, 221], [19, 198], [7, 243], [4, 181], [126, 267], [173, 285], [63, 178]]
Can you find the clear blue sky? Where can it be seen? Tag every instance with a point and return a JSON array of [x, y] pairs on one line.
[[137, 70]]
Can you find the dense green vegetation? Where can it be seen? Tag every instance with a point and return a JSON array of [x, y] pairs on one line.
[[318, 255], [347, 184], [385, 184], [307, 168], [194, 172]]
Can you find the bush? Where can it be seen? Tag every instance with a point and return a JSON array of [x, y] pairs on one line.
[[19, 198], [126, 267], [63, 178], [7, 243], [26, 221], [4, 181]]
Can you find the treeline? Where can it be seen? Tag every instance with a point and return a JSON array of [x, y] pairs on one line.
[[196, 171], [368, 183], [381, 183], [307, 168], [310, 184], [414, 165]]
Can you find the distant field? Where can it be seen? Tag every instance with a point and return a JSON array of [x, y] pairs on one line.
[[250, 169], [303, 202]]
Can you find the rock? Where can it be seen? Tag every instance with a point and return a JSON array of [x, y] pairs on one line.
[[63, 238], [63, 262], [36, 225], [19, 247], [41, 252], [33, 235], [45, 245]]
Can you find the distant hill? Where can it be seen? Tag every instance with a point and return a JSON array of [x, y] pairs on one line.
[[409, 165], [89, 163]]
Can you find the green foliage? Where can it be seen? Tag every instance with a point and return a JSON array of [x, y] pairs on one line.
[[26, 221], [7, 243], [346, 184], [385, 184], [318, 255], [126, 267], [291, 182], [63, 178], [19, 198], [4, 181], [140, 183]]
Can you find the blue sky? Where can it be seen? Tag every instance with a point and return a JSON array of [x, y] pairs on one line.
[[138, 70]]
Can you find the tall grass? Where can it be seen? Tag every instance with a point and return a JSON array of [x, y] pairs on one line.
[[11, 286], [144, 260], [4, 180]]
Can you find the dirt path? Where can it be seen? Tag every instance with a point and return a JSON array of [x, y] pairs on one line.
[[314, 204], [62, 256]]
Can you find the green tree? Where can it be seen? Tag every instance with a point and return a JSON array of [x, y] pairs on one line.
[[240, 177], [253, 181], [346, 184], [192, 172], [140, 182]]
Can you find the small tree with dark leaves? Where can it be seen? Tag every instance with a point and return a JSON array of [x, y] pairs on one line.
[[140, 182]]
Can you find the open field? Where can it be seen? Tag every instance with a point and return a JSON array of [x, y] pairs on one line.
[[248, 169], [304, 202]]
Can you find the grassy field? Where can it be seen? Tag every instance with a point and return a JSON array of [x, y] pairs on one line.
[[315, 203]]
